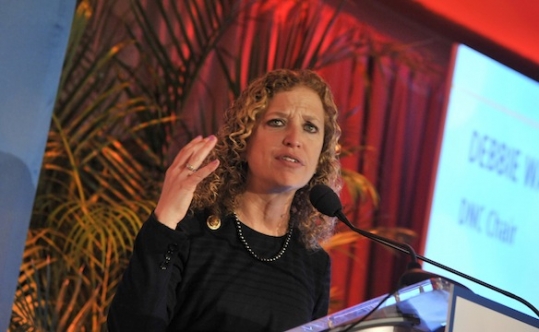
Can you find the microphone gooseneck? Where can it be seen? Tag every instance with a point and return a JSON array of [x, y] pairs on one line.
[[326, 201]]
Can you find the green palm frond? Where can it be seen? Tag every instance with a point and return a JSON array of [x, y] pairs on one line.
[[92, 193]]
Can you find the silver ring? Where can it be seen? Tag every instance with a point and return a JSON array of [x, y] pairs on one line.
[[191, 168]]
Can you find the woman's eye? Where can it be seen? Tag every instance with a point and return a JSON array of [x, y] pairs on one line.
[[309, 127], [276, 122]]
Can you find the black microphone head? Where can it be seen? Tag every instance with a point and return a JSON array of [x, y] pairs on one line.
[[325, 200]]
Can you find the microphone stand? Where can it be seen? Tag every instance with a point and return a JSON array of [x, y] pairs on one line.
[[416, 274]]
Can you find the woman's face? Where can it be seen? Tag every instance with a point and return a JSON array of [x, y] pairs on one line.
[[284, 148]]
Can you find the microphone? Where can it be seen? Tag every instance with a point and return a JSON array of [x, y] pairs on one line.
[[326, 201]]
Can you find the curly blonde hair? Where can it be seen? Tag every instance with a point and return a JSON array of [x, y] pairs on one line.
[[219, 191]]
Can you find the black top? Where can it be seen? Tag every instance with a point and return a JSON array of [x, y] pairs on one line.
[[198, 279]]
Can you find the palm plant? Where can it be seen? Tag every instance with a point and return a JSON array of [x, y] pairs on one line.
[[126, 101], [90, 195]]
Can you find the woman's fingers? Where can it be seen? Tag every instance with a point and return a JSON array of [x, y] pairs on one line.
[[186, 152], [204, 171], [193, 154], [199, 153], [182, 177]]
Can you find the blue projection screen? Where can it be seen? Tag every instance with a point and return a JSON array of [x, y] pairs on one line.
[[484, 216]]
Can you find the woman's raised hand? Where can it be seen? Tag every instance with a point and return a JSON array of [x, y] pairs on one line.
[[182, 178]]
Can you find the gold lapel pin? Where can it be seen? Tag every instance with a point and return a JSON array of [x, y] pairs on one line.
[[213, 222]]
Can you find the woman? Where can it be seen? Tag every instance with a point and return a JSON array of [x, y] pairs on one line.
[[233, 243]]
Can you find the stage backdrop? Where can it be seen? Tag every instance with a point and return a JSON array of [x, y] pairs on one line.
[[33, 39]]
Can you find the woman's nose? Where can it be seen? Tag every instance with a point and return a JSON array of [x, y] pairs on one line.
[[292, 137]]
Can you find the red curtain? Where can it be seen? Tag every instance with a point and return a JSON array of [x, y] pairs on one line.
[[394, 126]]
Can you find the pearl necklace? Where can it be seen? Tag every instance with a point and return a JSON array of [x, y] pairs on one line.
[[246, 245]]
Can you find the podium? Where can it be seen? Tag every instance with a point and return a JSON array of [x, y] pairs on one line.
[[433, 305]]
